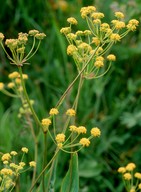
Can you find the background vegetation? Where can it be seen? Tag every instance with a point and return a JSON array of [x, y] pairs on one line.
[[112, 103]]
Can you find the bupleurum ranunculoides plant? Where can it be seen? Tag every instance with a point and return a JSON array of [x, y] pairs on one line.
[[89, 49]]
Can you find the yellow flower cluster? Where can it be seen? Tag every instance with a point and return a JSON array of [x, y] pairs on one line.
[[14, 84], [1, 86], [12, 169], [53, 111], [18, 46], [129, 174], [71, 112], [86, 46], [45, 124], [60, 138], [85, 142]]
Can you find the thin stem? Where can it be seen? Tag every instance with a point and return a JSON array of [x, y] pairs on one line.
[[9, 94], [44, 159], [72, 83], [35, 146], [96, 77], [31, 48], [28, 100], [27, 58], [10, 58], [43, 170], [78, 92]]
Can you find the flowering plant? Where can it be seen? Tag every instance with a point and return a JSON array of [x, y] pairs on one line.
[[90, 51]]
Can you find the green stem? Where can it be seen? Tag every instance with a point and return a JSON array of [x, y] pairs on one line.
[[35, 146], [9, 94], [10, 58], [31, 48], [44, 159], [78, 92], [43, 170], [27, 58], [72, 83], [28, 100]]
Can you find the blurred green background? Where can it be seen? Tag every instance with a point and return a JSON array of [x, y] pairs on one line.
[[112, 103]]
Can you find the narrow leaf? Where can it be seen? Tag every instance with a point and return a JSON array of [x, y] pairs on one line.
[[71, 180]]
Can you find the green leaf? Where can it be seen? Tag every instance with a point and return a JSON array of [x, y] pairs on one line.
[[71, 180]]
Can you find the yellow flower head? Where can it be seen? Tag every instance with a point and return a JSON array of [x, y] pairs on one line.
[[22, 164], [6, 157], [71, 36], [13, 75], [97, 15], [59, 145], [1, 37], [85, 47], [139, 185], [87, 32], [22, 38], [127, 176], [21, 50], [121, 169], [134, 22], [115, 37], [18, 80], [104, 26], [40, 36], [65, 30], [46, 122], [119, 15], [81, 129], [95, 132], [99, 64], [73, 128], [33, 32], [13, 165], [119, 25], [137, 175], [99, 58], [24, 150], [99, 50], [32, 164], [53, 111], [131, 27], [72, 21], [11, 85], [5, 162], [97, 21], [130, 166], [79, 33], [85, 11], [25, 76], [132, 190], [70, 112], [111, 57], [85, 142], [6, 171], [71, 49], [11, 43], [1, 86], [60, 138], [96, 41]]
